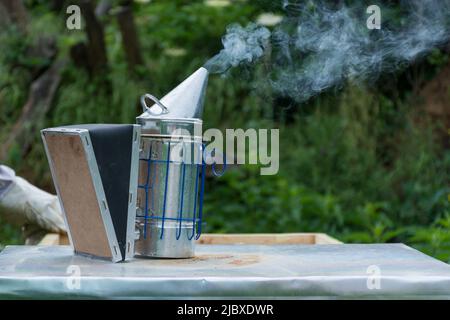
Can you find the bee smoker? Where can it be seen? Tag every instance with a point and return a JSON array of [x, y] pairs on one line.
[[171, 171], [144, 182]]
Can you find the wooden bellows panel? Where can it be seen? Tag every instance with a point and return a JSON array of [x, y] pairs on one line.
[[77, 193]]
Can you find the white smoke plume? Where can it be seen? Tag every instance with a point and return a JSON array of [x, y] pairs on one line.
[[240, 45], [317, 47]]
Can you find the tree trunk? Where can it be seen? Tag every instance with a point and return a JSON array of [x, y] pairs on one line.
[[79, 55], [58, 5], [103, 8], [40, 97], [15, 11], [130, 40], [437, 97], [98, 62]]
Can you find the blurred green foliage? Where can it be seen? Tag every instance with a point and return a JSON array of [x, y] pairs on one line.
[[361, 164]]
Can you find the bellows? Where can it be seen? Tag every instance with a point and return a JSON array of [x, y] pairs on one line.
[[94, 168]]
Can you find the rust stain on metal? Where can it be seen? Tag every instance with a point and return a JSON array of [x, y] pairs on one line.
[[211, 259], [239, 260], [207, 257], [245, 260]]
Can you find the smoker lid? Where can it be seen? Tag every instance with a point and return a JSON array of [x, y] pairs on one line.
[[183, 102]]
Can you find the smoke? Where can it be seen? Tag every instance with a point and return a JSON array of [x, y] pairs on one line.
[[316, 47], [240, 45]]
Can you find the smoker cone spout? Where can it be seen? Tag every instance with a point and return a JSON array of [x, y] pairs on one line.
[[184, 101]]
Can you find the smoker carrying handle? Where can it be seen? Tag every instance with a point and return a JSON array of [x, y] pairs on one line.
[[145, 108]]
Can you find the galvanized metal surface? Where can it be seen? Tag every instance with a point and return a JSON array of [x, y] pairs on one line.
[[229, 271], [169, 200], [168, 208], [131, 222], [175, 242]]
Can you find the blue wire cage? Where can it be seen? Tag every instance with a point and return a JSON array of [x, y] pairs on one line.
[[194, 217], [171, 190]]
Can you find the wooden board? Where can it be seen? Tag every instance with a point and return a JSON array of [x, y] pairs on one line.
[[256, 238], [77, 194], [268, 238], [51, 239]]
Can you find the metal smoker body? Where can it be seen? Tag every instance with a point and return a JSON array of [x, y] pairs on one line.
[[171, 171]]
